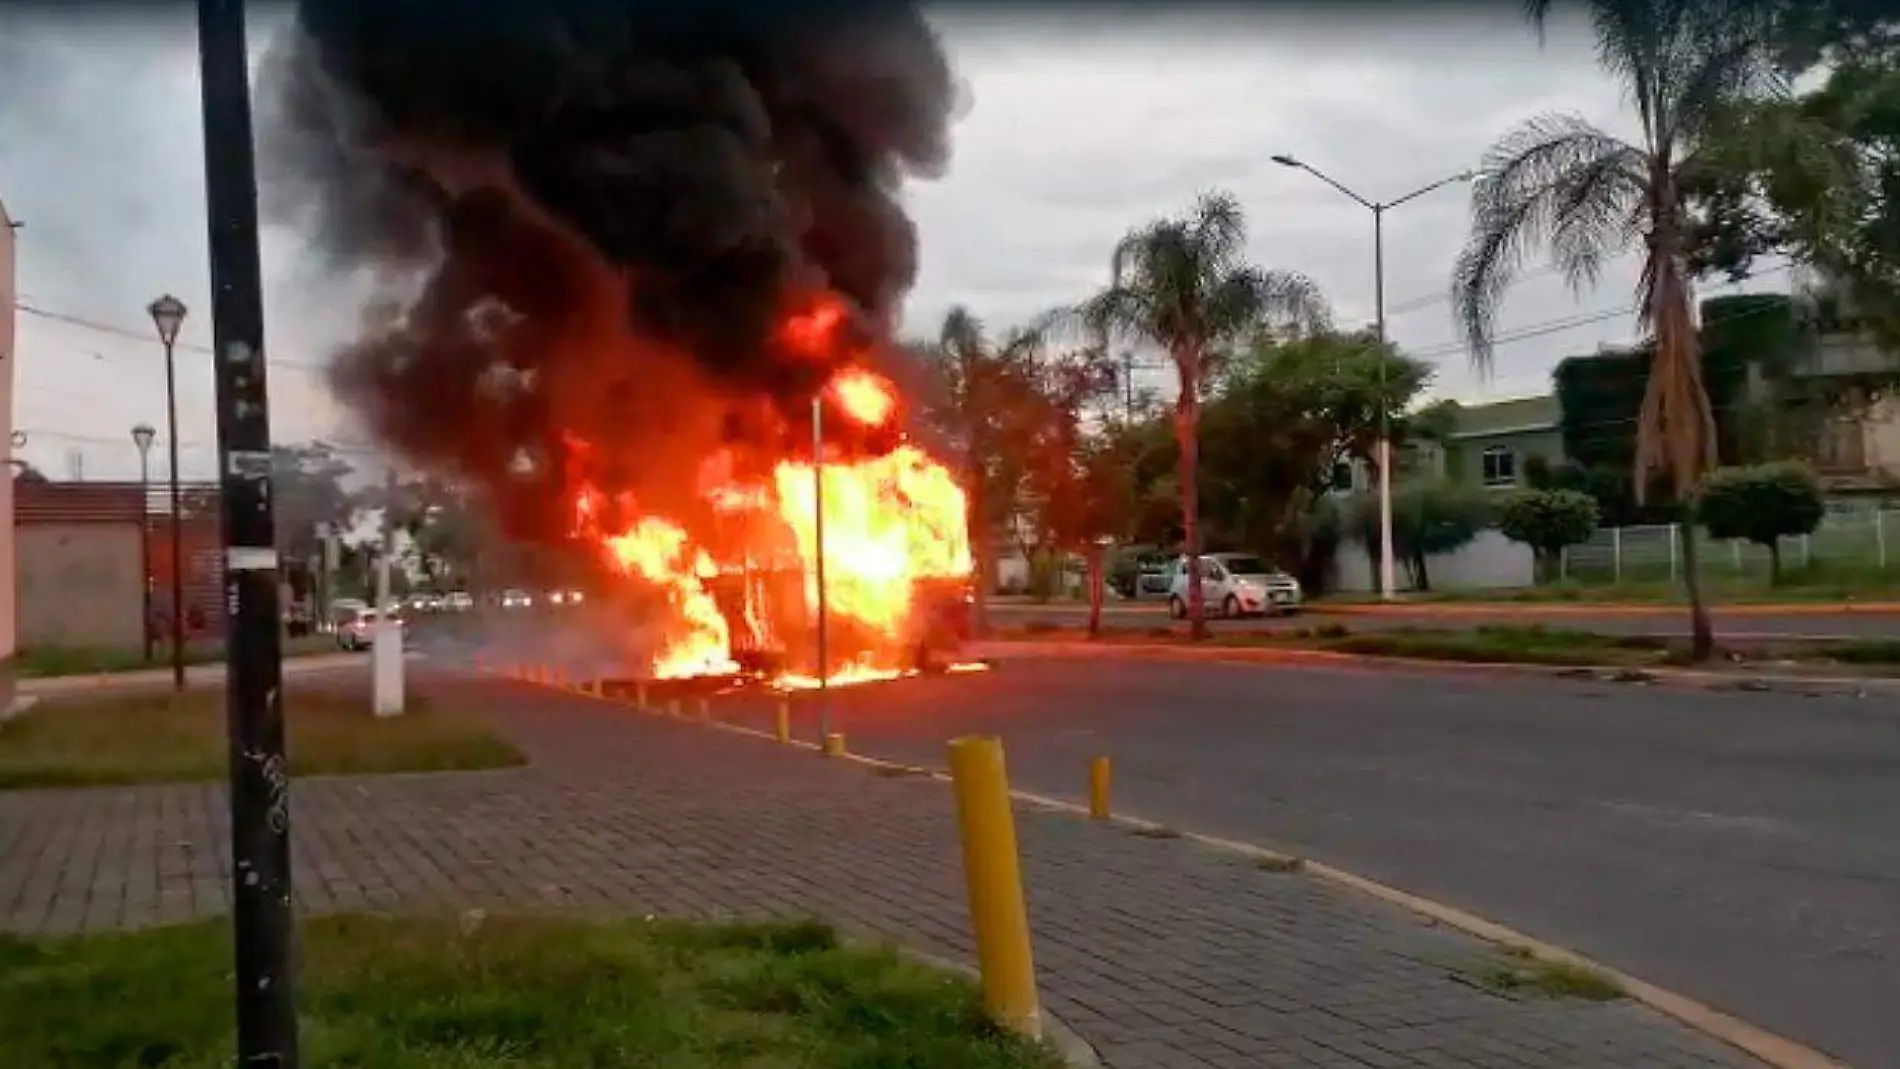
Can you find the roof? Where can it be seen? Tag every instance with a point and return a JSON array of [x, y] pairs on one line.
[[1519, 415]]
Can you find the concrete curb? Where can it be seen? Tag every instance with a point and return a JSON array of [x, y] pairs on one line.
[[1608, 608], [1773, 1050], [1496, 608], [1002, 649], [199, 675]]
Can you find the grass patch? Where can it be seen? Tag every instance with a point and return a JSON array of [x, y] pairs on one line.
[[167, 737], [1525, 975], [45, 661], [414, 993]]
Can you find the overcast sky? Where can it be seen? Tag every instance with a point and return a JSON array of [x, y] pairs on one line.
[[1071, 138]]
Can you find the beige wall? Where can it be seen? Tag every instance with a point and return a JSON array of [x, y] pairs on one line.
[[79, 585]]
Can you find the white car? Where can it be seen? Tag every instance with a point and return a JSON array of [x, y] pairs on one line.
[[1234, 585], [516, 599], [359, 631]]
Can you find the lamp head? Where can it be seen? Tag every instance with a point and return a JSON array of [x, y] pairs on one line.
[[143, 435], [1287, 161], [168, 313]]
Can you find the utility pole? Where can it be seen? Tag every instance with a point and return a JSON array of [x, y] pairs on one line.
[[260, 781], [818, 543]]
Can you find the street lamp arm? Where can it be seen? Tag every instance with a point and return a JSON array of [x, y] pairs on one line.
[[1461, 176], [1329, 180]]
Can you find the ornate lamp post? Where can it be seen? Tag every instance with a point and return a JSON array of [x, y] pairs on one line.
[[168, 314]]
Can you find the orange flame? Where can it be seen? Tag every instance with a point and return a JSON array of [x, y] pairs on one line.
[[890, 523], [864, 397]]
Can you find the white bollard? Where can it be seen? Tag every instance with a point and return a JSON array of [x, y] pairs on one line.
[[386, 681]]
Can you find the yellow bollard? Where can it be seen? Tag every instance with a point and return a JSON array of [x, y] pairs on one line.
[[993, 871], [834, 745], [640, 696], [1098, 788], [673, 708], [782, 723], [704, 708]]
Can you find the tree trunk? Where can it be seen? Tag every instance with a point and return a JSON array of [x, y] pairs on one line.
[[1701, 631], [1186, 431], [1774, 562], [1421, 579], [1095, 553]]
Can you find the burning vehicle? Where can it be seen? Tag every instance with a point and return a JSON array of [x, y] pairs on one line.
[[635, 270]]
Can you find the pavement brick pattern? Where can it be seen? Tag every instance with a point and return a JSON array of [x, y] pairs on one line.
[[1160, 953]]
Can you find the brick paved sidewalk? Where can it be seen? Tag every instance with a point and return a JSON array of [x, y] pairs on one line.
[[1160, 953]]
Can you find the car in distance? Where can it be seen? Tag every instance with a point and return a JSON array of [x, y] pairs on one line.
[[359, 631], [458, 601], [1235, 585], [516, 599]]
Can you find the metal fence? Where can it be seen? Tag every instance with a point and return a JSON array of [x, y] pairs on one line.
[[1853, 541]]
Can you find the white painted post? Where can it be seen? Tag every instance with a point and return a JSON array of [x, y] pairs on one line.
[[1674, 550], [1807, 550], [386, 683], [1616, 554], [1880, 538], [1735, 552]]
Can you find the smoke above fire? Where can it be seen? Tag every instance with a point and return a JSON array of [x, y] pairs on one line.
[[603, 220], [624, 251]]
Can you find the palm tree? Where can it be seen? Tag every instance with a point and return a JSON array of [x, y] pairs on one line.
[[1183, 284], [979, 411], [1588, 196]]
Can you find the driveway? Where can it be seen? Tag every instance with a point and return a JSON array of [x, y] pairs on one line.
[[1741, 848]]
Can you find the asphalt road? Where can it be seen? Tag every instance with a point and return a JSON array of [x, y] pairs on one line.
[[1740, 848], [1738, 628]]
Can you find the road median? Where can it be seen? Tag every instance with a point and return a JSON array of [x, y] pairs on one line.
[[1622, 659]]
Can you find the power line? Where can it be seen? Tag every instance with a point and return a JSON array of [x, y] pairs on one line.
[[134, 335]]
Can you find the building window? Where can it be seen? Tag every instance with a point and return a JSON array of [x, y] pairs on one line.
[[1500, 467]]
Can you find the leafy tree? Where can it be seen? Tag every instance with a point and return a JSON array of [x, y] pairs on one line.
[[307, 484], [1282, 419], [1763, 505], [1428, 519], [1588, 196], [1182, 284], [1818, 179], [1548, 521], [982, 412]]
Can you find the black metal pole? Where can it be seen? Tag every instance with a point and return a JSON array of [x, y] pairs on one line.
[[145, 548], [260, 784], [177, 615]]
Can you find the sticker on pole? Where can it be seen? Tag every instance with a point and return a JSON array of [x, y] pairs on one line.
[[250, 464], [250, 559]]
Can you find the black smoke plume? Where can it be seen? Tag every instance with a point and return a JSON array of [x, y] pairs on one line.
[[593, 218]]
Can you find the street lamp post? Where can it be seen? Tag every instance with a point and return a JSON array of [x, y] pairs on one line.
[[142, 436], [168, 314], [1388, 587]]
